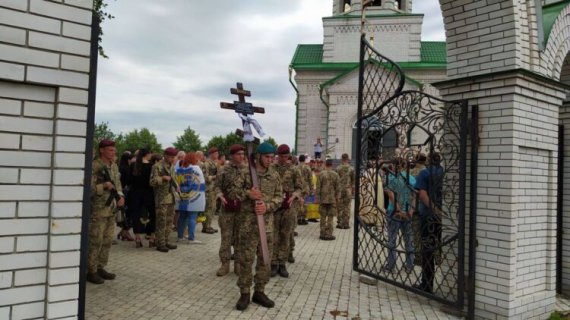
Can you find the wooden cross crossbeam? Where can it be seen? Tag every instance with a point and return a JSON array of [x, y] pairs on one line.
[[241, 106]]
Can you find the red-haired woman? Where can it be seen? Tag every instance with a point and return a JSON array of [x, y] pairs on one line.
[[192, 195]]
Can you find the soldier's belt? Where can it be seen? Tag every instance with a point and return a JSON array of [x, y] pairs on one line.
[[285, 204]]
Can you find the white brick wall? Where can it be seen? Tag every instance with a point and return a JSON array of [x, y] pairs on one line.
[[44, 53], [516, 206]]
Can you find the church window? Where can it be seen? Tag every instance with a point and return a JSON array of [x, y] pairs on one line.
[[346, 5]]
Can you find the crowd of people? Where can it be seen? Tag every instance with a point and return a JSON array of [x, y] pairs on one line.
[[409, 188], [150, 195]]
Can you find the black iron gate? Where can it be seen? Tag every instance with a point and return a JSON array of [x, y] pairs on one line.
[[410, 223]]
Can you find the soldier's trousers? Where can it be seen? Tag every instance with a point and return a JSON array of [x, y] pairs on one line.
[[101, 231], [327, 212], [247, 249], [300, 215], [283, 228], [210, 208], [228, 232], [164, 216], [344, 210]]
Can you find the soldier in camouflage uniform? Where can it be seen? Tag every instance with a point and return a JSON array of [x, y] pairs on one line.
[[102, 221], [346, 174], [210, 170], [263, 201], [328, 193], [228, 188], [161, 179], [286, 215]]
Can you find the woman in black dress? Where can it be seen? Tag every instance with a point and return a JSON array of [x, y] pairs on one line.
[[141, 198], [124, 170]]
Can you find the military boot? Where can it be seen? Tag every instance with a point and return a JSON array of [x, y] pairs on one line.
[[243, 302], [162, 248], [237, 267], [171, 246], [95, 278], [274, 270], [283, 271], [291, 259], [224, 269], [261, 299], [106, 275]]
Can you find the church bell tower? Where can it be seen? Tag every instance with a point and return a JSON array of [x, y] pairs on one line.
[[354, 6]]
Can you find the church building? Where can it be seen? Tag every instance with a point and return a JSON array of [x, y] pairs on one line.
[[326, 75]]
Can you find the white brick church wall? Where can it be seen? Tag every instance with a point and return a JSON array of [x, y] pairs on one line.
[[44, 65]]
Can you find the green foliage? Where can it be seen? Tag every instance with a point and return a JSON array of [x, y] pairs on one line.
[[223, 143], [271, 141], [188, 141], [99, 9], [137, 139], [557, 315], [102, 132]]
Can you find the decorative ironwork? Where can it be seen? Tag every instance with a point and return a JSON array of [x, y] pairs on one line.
[[410, 225]]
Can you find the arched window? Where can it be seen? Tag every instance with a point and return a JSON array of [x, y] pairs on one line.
[[346, 5]]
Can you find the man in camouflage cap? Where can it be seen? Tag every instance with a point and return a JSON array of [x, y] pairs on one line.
[[228, 187], [210, 171], [106, 196], [346, 174], [286, 215], [165, 187], [262, 201], [328, 194]]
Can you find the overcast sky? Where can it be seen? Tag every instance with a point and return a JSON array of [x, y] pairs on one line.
[[173, 61]]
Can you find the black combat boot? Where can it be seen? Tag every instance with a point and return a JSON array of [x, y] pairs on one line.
[[261, 299], [171, 246], [162, 248], [283, 271], [291, 259], [243, 302], [95, 278], [106, 275], [274, 270]]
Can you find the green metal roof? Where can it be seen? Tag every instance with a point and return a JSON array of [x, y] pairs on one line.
[[433, 52], [310, 57], [549, 14]]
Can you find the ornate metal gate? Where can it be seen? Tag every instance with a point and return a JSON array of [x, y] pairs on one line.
[[410, 224]]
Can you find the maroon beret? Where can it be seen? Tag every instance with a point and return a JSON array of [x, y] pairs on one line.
[[170, 151], [106, 143], [212, 150], [283, 149], [235, 148]]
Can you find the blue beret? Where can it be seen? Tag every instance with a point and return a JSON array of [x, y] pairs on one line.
[[265, 148]]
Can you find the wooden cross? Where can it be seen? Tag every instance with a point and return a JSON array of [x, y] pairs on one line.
[[241, 106], [240, 133], [247, 109]]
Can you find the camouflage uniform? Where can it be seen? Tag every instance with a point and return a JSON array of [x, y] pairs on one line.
[[229, 183], [248, 245], [346, 174], [102, 224], [210, 170], [286, 219], [163, 199], [328, 192]]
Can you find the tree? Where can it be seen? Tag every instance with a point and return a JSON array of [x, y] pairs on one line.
[[137, 139], [102, 132], [99, 9], [223, 143], [188, 141], [271, 141]]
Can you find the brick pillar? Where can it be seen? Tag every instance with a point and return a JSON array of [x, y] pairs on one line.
[[516, 208]]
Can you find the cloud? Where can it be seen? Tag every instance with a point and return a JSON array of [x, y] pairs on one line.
[[172, 62]]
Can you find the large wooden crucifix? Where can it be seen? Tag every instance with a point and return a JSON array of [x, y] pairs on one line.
[[245, 110]]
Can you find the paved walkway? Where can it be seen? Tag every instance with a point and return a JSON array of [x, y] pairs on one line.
[[182, 284]]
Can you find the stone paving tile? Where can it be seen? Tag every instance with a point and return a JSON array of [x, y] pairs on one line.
[[182, 284]]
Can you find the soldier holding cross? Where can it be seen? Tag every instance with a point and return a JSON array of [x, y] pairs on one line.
[[260, 196]]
